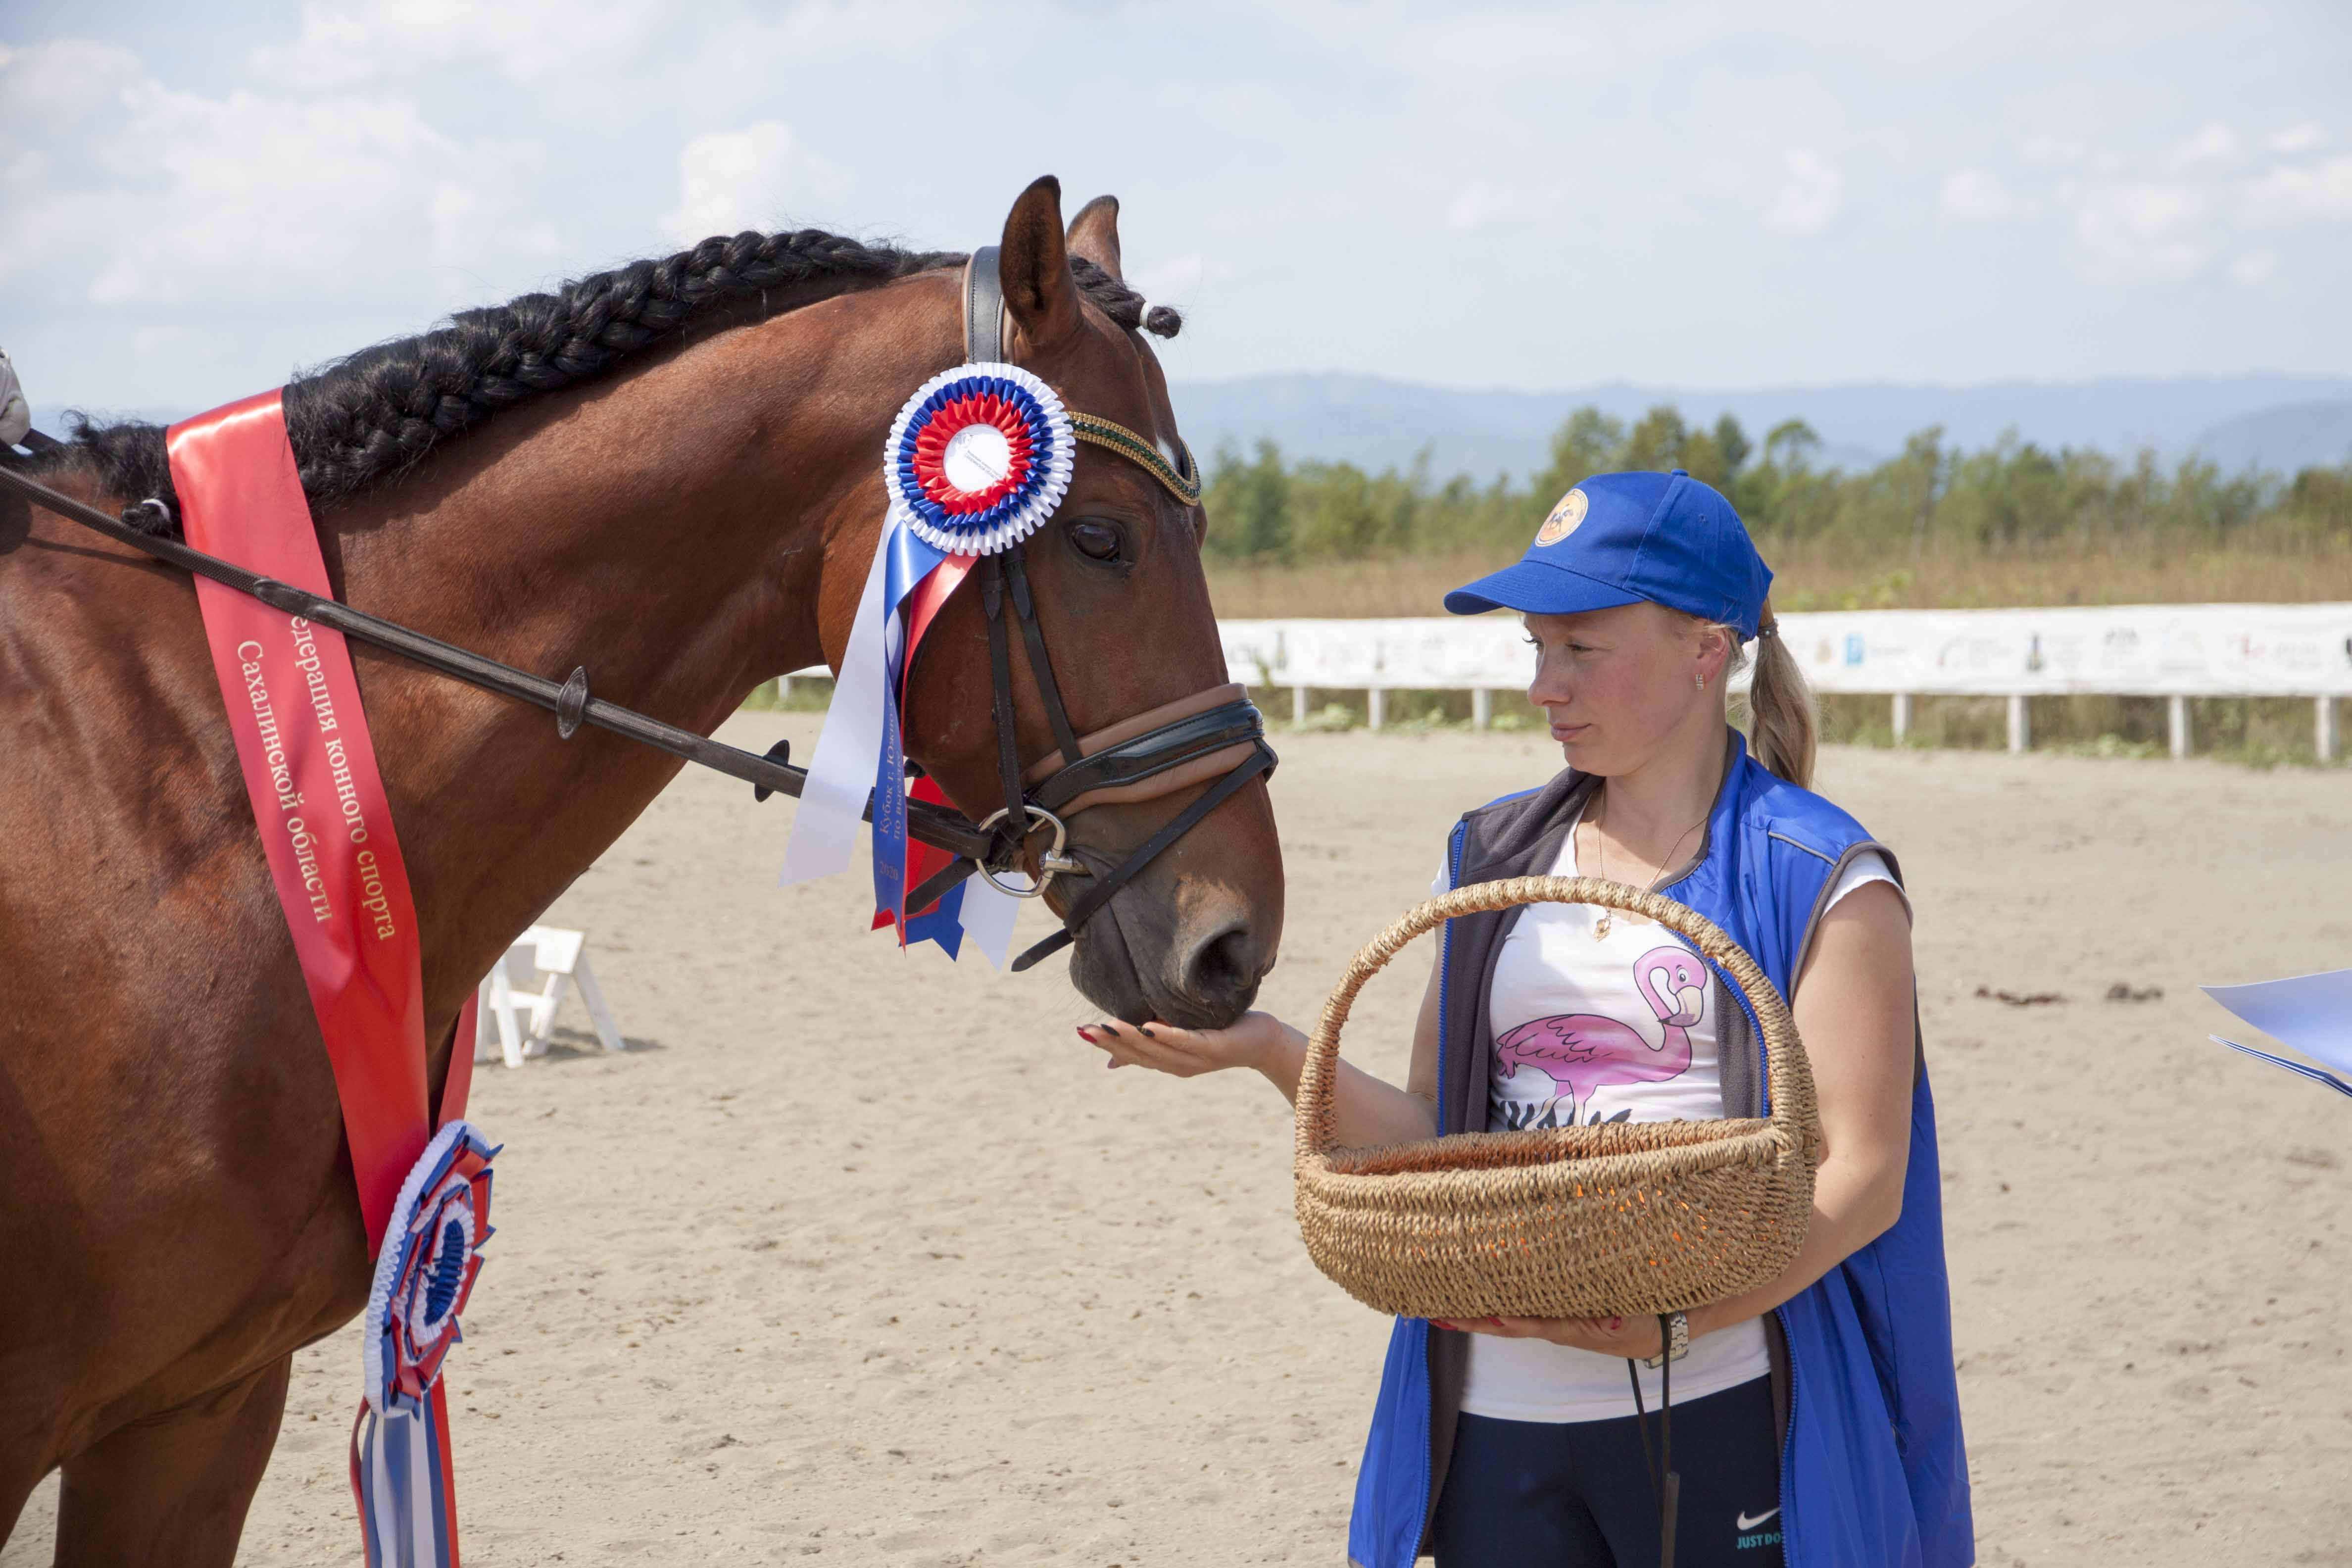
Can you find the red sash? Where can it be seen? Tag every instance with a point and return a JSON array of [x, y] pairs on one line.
[[310, 767], [326, 828]]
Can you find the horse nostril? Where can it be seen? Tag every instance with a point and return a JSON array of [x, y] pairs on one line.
[[1223, 969]]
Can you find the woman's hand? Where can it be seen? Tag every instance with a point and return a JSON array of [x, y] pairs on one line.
[[1256, 1040], [1368, 1111], [1632, 1339]]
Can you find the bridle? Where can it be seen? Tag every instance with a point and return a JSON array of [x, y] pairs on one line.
[[1180, 744], [1193, 739]]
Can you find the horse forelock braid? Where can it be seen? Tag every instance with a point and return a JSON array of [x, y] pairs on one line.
[[1123, 304]]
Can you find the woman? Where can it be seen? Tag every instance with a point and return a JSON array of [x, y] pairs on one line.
[[1816, 1419]]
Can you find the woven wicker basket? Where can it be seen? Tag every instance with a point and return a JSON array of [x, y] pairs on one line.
[[1627, 1217]]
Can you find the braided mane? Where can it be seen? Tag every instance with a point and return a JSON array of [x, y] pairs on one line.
[[372, 415]]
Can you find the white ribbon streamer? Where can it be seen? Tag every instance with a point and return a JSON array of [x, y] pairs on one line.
[[987, 918], [841, 772]]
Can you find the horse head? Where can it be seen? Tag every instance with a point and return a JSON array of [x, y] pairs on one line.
[[1121, 600]]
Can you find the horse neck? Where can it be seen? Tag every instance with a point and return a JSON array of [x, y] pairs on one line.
[[669, 531]]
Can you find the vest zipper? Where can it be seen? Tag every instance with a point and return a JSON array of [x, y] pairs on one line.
[[1444, 1017]]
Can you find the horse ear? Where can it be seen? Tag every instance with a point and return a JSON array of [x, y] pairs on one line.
[[1094, 234], [1036, 266]]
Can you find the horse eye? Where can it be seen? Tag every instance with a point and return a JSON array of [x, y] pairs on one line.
[[1096, 541]]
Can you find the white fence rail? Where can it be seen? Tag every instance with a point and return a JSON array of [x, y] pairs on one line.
[[2173, 652]]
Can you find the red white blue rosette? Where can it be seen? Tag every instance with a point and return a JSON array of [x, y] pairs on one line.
[[400, 1452], [426, 1269], [978, 459]]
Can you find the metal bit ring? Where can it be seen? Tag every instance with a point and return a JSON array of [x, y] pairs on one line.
[[1053, 863]]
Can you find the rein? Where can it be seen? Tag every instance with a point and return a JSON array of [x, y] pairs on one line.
[[1217, 731], [568, 700]]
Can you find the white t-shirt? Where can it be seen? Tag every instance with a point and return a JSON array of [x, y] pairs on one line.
[[1611, 1028]]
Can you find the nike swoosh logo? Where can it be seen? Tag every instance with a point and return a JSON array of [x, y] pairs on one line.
[[1747, 1524]]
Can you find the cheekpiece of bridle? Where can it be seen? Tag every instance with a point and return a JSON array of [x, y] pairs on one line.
[[1215, 737]]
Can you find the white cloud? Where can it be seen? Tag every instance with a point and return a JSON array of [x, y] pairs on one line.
[[159, 195], [2214, 143], [1810, 201], [1176, 280], [2141, 232], [2300, 138], [1975, 195], [1510, 45], [267, 191], [54, 86], [147, 340], [2043, 150], [1482, 201], [730, 181], [2254, 267], [2302, 193], [345, 41]]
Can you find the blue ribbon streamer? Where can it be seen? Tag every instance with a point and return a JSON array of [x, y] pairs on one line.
[[908, 560]]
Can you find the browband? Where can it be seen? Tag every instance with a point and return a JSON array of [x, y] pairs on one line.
[[1183, 483], [983, 344]]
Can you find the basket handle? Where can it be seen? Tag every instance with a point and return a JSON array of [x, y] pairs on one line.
[[1787, 1072]]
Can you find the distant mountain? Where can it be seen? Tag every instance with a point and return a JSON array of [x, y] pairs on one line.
[[2277, 422], [2307, 436], [1377, 422]]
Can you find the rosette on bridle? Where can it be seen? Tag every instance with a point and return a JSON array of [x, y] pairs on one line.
[[976, 461]]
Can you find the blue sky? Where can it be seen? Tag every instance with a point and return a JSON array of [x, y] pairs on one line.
[[193, 204]]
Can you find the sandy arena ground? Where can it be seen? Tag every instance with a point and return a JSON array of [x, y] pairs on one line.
[[862, 1258]]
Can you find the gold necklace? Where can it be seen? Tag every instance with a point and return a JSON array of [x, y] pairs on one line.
[[1601, 870]]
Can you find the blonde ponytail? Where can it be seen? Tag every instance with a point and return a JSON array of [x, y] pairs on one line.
[[1782, 724]]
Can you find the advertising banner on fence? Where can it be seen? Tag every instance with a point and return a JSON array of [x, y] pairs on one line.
[[2154, 650]]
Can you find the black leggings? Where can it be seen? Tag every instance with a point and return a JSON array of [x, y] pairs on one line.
[[1576, 1494]]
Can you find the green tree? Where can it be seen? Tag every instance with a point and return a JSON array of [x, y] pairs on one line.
[[1334, 516], [1658, 442], [1920, 476], [1249, 505], [1791, 444], [1588, 443], [1716, 456]]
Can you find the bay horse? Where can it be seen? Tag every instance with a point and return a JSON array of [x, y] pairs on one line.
[[668, 473]]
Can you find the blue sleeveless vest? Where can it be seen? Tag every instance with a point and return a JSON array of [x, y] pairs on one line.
[[1874, 1470]]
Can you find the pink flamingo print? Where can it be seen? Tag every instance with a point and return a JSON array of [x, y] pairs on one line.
[[1583, 1051]]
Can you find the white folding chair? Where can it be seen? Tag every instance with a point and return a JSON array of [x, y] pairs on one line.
[[518, 1012]]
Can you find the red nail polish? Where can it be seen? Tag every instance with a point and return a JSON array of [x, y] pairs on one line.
[[1088, 1035]]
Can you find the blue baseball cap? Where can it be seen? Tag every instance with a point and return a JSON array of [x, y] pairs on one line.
[[1618, 538]]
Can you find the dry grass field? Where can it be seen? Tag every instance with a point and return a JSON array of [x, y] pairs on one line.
[[1832, 574], [862, 1258]]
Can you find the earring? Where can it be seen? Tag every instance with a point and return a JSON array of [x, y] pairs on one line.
[[1698, 683]]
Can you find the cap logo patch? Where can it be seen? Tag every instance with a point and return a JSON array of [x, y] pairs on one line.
[[1563, 518]]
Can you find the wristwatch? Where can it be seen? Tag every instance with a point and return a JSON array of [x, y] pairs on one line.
[[1674, 1334]]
